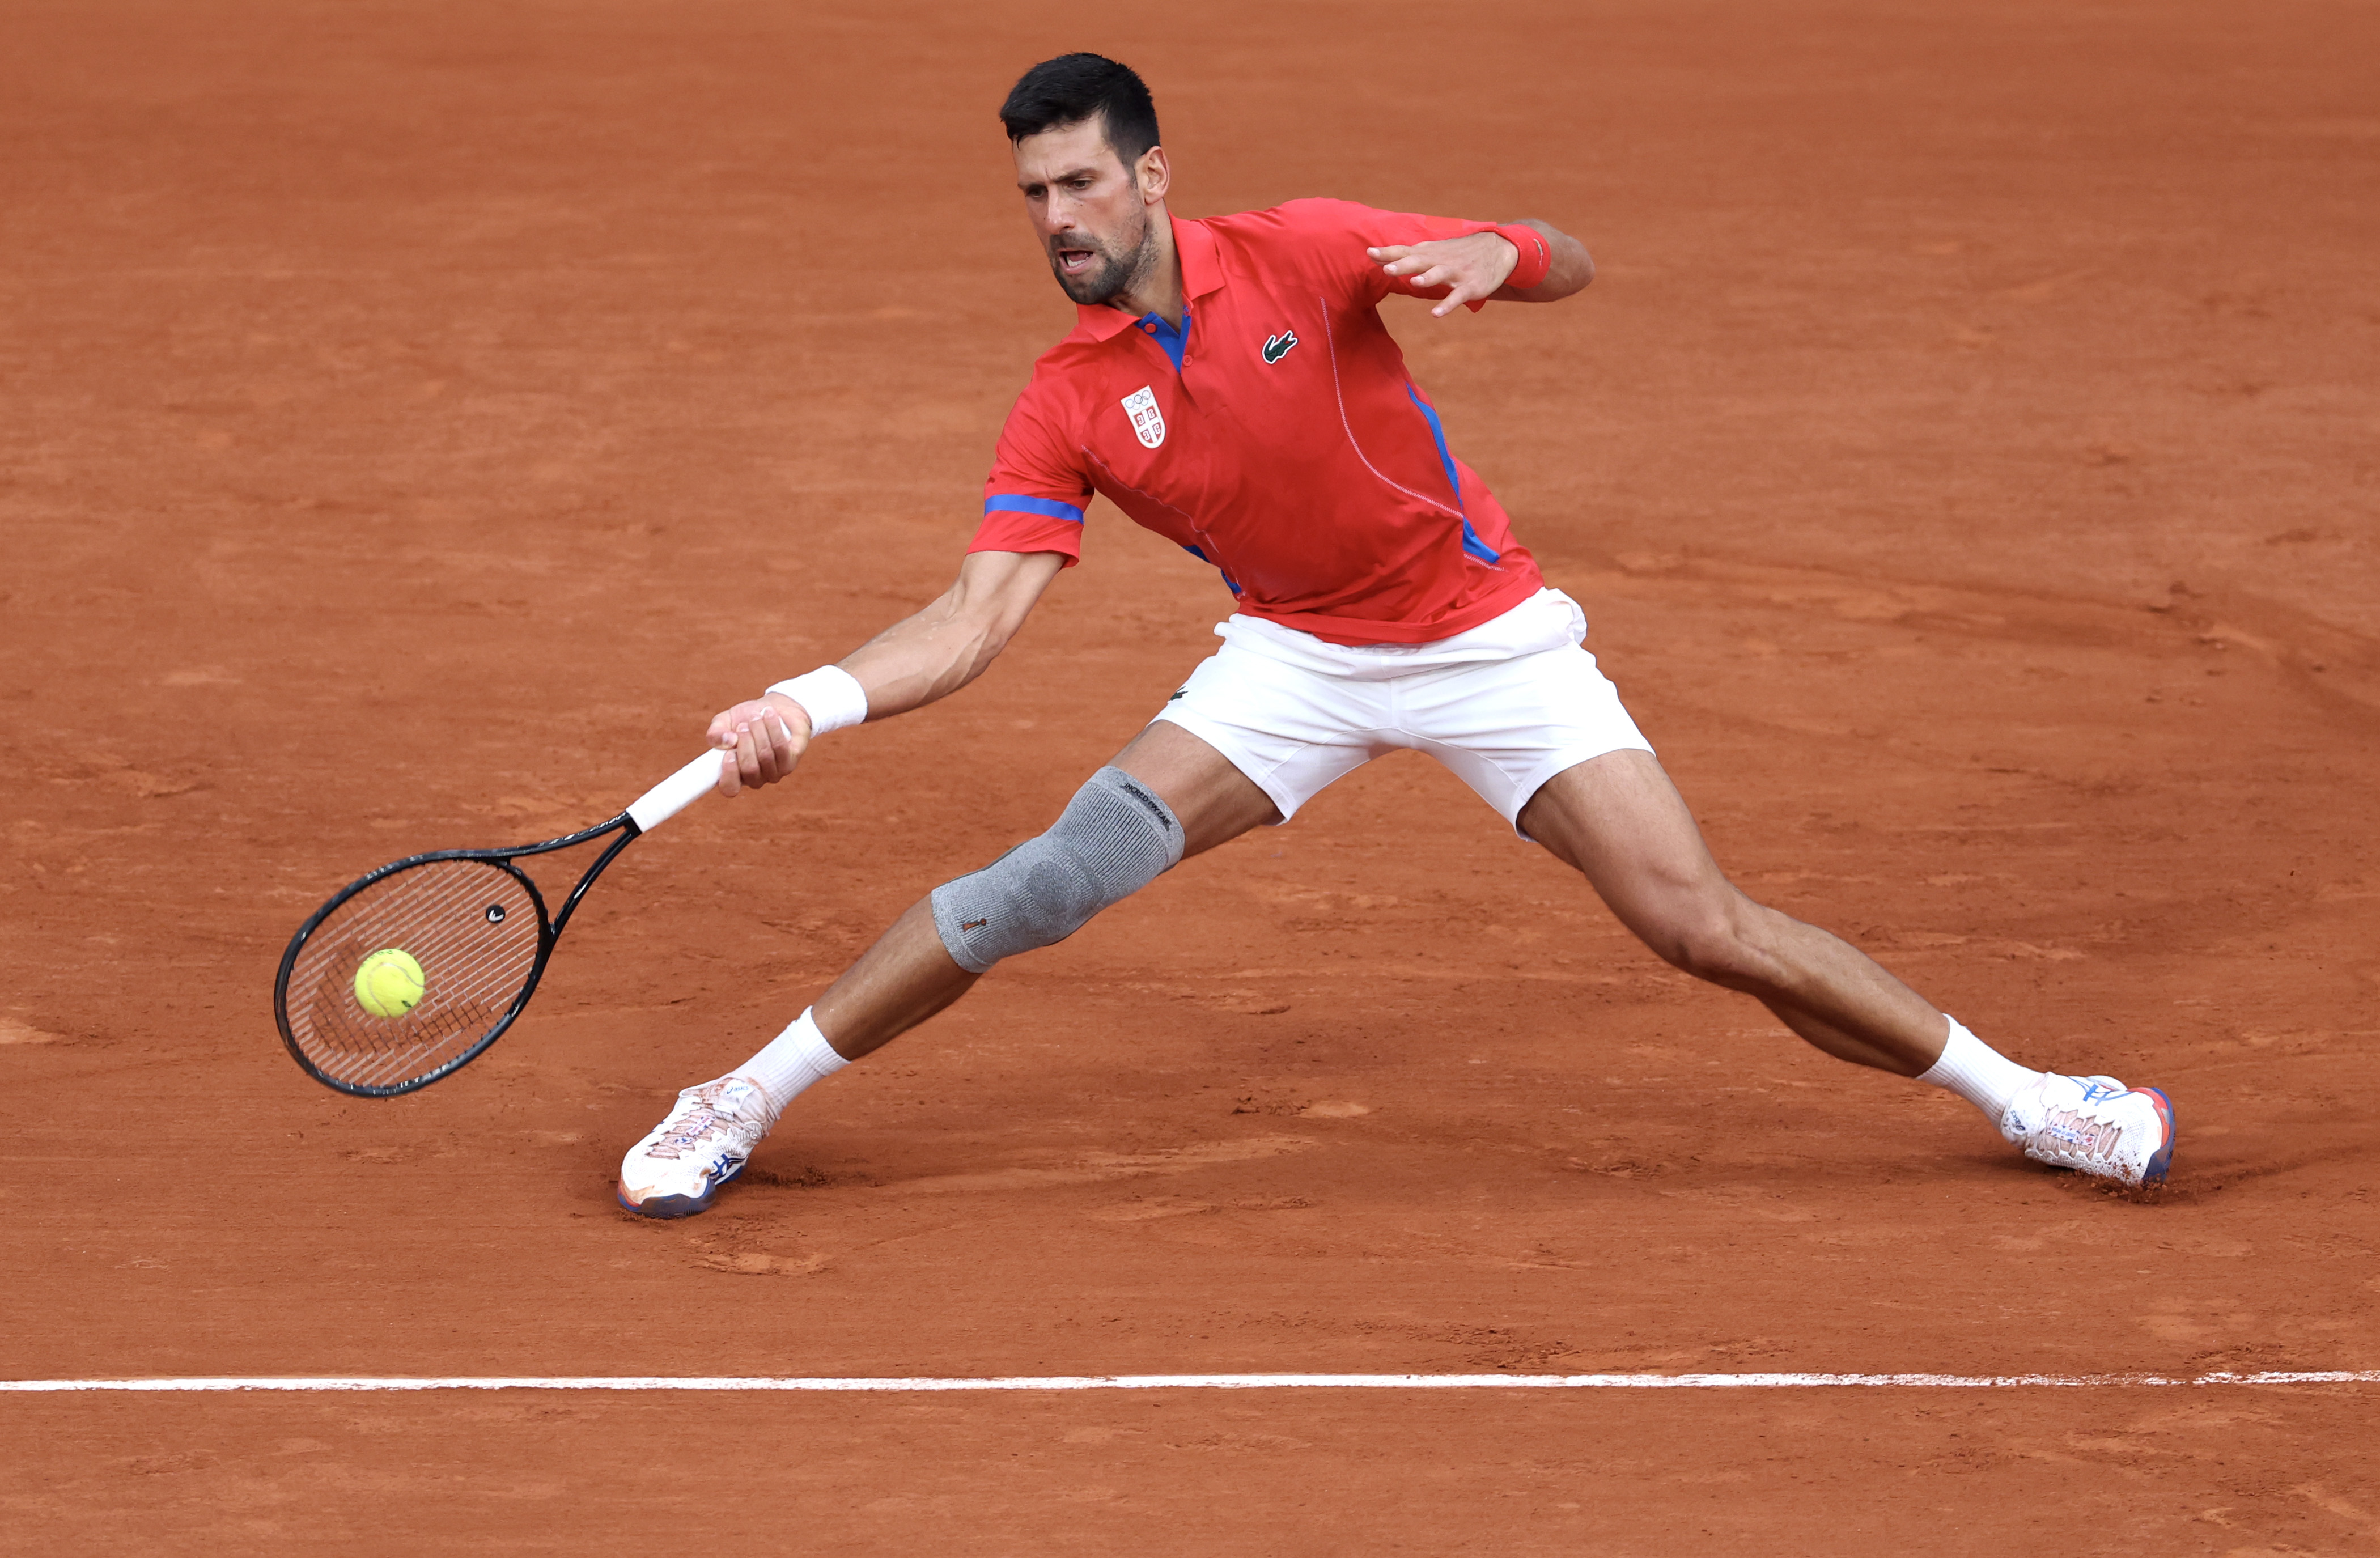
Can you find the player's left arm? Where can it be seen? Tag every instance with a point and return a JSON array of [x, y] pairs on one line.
[[1477, 267]]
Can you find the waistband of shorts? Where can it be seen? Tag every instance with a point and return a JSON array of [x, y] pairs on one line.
[[1547, 620]]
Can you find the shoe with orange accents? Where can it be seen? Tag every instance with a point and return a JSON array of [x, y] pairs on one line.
[[2096, 1125]]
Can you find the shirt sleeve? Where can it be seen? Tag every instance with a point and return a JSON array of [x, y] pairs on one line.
[[1342, 230], [1035, 494]]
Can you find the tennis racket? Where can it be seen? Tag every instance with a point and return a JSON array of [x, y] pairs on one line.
[[474, 937]]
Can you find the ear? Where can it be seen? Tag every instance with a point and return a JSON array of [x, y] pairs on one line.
[[1153, 176]]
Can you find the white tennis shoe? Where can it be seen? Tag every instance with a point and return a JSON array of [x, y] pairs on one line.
[[2096, 1124], [702, 1145]]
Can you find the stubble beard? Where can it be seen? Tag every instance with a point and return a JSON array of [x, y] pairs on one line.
[[1116, 274]]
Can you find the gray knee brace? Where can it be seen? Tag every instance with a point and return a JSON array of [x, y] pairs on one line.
[[1114, 838]]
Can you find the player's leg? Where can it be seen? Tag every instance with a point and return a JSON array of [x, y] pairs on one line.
[[1168, 796], [910, 973], [1619, 822], [1543, 737], [1240, 714]]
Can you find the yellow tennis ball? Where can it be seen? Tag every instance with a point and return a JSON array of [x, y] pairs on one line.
[[389, 983]]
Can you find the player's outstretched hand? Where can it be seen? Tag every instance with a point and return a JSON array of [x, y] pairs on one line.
[[1474, 266], [764, 739]]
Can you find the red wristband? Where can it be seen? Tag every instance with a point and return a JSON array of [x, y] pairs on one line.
[[1537, 256]]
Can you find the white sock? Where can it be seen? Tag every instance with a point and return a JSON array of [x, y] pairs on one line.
[[792, 1060], [1978, 1073]]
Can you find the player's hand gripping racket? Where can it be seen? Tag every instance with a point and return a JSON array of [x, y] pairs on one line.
[[409, 972]]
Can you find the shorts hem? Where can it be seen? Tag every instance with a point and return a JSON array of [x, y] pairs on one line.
[[1562, 762], [1219, 737]]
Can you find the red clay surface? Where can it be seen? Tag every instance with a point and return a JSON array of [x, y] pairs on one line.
[[420, 416]]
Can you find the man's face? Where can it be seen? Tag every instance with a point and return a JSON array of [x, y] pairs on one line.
[[1091, 213]]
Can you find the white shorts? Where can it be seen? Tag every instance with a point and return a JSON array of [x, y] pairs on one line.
[[1506, 705]]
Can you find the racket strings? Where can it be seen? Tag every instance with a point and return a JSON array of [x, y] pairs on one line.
[[471, 926]]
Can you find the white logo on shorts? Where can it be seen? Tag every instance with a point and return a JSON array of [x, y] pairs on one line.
[[1147, 421]]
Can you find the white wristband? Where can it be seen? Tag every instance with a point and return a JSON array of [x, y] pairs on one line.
[[830, 696]]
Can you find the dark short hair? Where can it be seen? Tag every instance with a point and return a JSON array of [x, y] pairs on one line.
[[1071, 89]]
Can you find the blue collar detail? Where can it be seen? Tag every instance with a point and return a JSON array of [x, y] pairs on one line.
[[1173, 341]]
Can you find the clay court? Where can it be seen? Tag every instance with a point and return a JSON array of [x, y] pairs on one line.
[[419, 418]]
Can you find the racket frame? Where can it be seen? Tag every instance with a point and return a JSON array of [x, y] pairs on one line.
[[548, 931]]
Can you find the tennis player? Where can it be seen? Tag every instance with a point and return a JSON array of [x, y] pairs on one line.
[[1229, 385]]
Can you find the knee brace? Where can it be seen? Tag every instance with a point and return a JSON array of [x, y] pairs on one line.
[[1114, 838]]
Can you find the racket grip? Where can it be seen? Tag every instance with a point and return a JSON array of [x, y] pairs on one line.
[[675, 793]]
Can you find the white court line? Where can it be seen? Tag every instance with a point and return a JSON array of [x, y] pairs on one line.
[[1203, 1381]]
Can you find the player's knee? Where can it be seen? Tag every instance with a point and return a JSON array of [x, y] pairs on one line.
[[1714, 938], [1115, 837]]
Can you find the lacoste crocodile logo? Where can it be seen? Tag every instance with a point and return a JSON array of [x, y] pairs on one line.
[[1277, 347]]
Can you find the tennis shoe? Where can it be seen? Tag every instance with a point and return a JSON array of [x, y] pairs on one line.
[[704, 1143], [2094, 1125]]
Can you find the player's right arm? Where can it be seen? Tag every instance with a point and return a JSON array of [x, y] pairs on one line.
[[920, 658], [1032, 527]]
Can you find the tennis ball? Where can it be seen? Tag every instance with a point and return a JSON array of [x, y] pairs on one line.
[[389, 983]]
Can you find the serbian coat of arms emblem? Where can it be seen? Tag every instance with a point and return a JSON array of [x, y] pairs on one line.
[[1147, 421]]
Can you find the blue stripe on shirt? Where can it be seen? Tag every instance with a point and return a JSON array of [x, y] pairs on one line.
[[1471, 542], [1229, 582], [1017, 503]]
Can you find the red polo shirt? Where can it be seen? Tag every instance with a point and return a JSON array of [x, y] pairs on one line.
[[1279, 437]]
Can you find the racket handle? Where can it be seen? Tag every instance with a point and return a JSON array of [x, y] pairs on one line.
[[675, 793]]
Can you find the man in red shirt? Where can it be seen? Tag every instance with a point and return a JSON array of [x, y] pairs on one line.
[[1273, 389], [1231, 386]]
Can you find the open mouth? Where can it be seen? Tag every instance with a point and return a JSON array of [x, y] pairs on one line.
[[1075, 262]]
